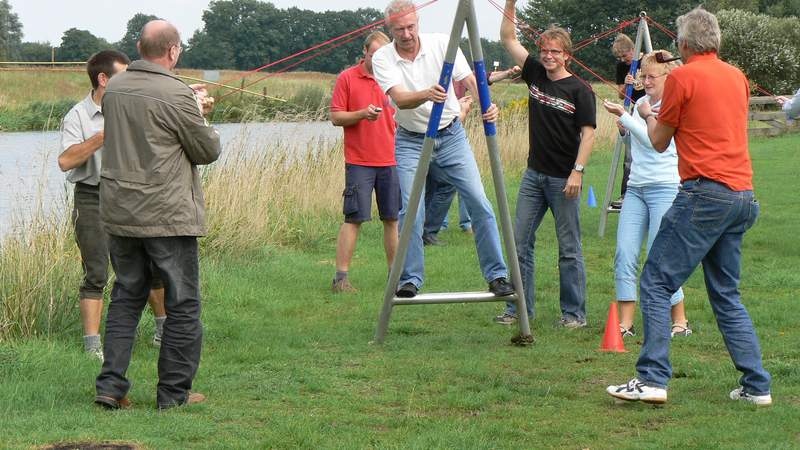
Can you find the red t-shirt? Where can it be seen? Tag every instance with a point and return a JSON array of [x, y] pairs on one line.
[[365, 143], [706, 101]]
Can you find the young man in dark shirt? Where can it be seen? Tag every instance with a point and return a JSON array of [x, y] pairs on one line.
[[561, 132]]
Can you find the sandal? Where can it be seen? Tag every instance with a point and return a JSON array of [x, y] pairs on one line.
[[680, 330], [627, 332]]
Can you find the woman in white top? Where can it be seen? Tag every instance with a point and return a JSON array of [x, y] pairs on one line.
[[652, 187]]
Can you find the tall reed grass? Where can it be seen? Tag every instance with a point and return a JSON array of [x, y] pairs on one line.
[[257, 195]]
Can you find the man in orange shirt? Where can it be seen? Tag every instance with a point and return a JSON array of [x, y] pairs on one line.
[[708, 219], [363, 110]]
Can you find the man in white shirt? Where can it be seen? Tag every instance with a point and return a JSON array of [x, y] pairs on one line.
[[408, 71]]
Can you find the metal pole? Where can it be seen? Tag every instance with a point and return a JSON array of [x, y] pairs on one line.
[[419, 177], [618, 148], [497, 170]]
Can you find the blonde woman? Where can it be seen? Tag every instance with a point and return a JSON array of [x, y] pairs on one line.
[[652, 186]]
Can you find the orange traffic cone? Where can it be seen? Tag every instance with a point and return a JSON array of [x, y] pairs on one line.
[[612, 338]]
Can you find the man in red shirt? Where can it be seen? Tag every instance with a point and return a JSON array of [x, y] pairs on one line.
[[360, 106], [704, 108]]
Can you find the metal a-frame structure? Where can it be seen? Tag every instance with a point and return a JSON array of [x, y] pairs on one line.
[[642, 40], [465, 15]]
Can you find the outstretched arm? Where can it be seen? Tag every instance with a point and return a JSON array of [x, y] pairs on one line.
[[508, 34]]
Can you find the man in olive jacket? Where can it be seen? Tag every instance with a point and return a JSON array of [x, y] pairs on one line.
[[151, 205]]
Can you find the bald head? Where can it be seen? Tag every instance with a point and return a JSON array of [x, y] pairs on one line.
[[157, 38]]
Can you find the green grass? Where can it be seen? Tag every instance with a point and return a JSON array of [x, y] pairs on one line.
[[288, 365]]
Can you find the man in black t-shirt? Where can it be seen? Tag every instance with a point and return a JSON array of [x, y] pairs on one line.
[[561, 133]]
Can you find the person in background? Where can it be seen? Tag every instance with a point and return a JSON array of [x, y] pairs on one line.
[[652, 186], [705, 108], [363, 110], [153, 210], [439, 194], [791, 106], [561, 123], [623, 49], [82, 147]]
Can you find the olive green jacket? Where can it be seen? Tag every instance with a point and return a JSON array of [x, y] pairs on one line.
[[155, 136]]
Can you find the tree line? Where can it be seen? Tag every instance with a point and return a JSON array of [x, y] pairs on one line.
[[245, 34]]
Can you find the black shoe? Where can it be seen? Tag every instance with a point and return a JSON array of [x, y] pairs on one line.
[[616, 204], [432, 239], [407, 290], [501, 287]]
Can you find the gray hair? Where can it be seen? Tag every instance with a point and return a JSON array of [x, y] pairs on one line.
[[397, 6], [699, 30]]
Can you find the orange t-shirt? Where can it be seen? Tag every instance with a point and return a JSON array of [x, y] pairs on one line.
[[706, 101]]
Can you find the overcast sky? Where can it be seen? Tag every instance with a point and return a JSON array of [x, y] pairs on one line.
[[46, 20]]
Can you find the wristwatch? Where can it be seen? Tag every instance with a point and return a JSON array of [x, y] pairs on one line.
[[579, 168]]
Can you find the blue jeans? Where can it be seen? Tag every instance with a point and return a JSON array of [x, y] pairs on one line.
[[438, 198], [641, 213], [706, 223], [538, 193], [454, 162]]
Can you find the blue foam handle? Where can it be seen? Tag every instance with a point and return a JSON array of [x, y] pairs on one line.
[[483, 93], [629, 87], [438, 108]]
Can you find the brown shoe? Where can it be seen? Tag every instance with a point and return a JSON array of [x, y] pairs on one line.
[[191, 399], [195, 397], [343, 286], [108, 402]]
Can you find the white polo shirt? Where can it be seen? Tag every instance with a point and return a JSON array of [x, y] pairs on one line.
[[391, 70], [83, 121]]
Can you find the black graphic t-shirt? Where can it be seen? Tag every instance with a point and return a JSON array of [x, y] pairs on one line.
[[623, 69], [557, 110]]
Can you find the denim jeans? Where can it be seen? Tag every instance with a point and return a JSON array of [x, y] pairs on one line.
[[438, 198], [176, 258], [706, 223], [538, 193], [454, 162], [641, 213]]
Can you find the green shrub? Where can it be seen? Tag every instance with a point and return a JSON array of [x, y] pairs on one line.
[[766, 48]]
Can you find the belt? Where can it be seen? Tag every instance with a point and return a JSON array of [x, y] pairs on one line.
[[414, 133]]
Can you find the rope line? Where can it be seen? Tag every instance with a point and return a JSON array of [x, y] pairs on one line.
[[671, 34], [357, 32], [297, 63]]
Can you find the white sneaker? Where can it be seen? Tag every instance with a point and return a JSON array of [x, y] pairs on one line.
[[758, 400], [635, 390]]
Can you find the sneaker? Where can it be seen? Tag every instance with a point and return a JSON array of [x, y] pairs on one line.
[[157, 339], [680, 330], [627, 332], [616, 204], [758, 400], [571, 323], [500, 287], [407, 290], [505, 319], [342, 286], [635, 390], [432, 239]]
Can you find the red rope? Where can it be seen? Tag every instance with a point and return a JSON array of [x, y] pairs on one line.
[[595, 38], [669, 33], [538, 39], [329, 41], [296, 63]]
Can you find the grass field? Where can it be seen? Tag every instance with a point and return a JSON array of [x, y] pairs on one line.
[[288, 365]]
